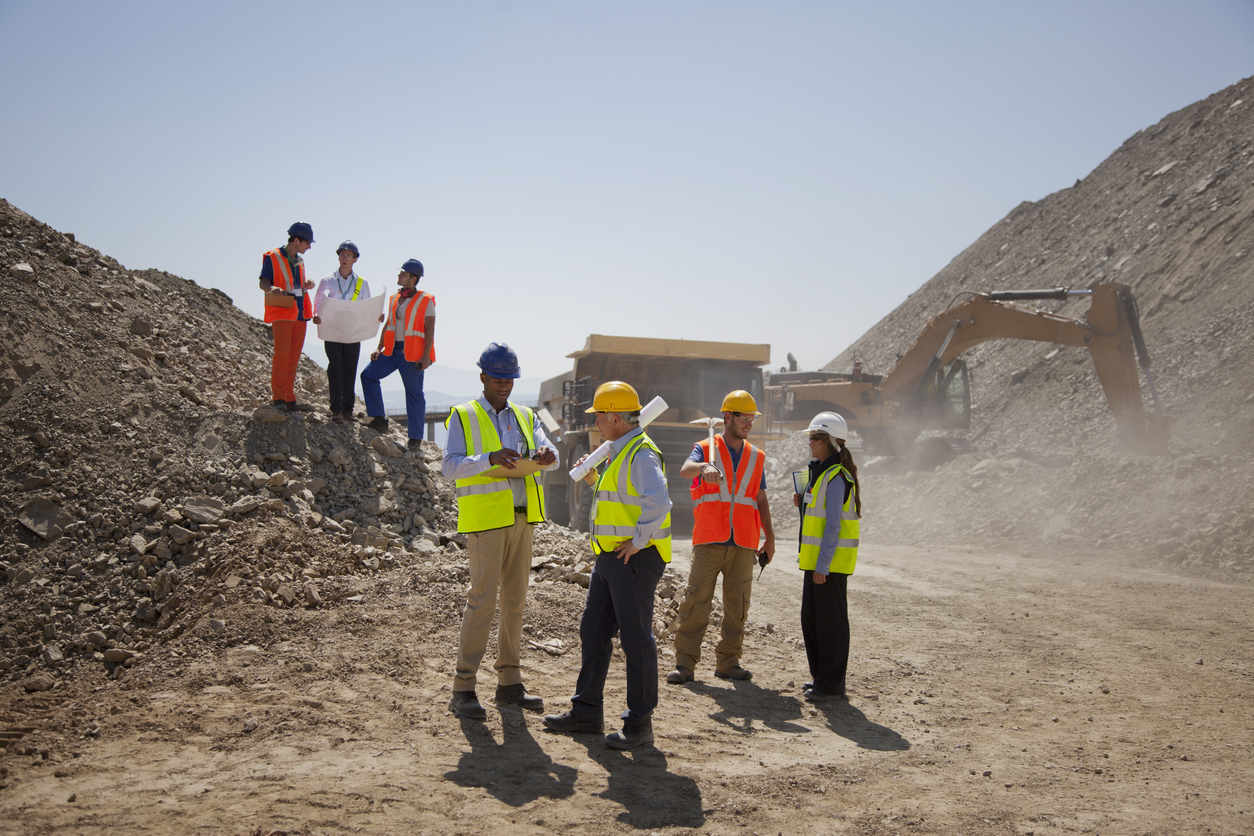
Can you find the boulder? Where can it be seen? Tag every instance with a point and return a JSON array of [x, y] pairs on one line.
[[203, 509], [45, 518]]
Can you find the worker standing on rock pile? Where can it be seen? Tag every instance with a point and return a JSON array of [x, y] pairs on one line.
[[499, 513], [631, 537], [831, 508], [344, 284], [411, 328], [730, 513], [287, 310]]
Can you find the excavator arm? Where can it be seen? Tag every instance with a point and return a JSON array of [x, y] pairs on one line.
[[1111, 332]]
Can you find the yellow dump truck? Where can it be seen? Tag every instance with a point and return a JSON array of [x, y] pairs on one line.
[[692, 376]]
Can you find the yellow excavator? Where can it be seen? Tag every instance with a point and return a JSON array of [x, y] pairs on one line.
[[929, 387]]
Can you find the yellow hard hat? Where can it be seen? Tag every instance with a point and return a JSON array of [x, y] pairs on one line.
[[615, 396], [740, 401]]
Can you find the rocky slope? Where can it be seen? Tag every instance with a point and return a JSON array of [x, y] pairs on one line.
[[150, 492], [1171, 214]]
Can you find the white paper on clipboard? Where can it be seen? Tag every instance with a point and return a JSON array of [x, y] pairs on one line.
[[800, 478], [349, 322]]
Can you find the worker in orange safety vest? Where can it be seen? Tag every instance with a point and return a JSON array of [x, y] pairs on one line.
[[730, 515], [287, 308]]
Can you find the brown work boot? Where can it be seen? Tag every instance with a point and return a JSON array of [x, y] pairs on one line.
[[738, 673], [679, 676], [466, 704], [516, 694], [638, 733]]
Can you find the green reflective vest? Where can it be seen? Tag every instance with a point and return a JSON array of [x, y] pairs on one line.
[[616, 503], [484, 503], [814, 521]]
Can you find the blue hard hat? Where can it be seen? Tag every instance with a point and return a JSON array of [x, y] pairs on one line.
[[300, 229], [499, 360], [350, 246], [413, 266]]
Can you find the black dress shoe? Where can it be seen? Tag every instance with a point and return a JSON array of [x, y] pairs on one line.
[[466, 704], [568, 722], [633, 735], [516, 694]]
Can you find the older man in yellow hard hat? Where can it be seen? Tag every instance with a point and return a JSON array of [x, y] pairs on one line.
[[631, 536]]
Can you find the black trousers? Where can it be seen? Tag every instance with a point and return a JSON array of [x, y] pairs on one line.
[[342, 374], [825, 628], [620, 600]]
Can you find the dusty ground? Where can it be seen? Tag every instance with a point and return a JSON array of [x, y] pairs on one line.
[[992, 694]]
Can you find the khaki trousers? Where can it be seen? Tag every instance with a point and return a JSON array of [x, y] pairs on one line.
[[500, 558], [736, 565]]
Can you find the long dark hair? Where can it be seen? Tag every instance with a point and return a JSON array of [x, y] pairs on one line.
[[846, 461]]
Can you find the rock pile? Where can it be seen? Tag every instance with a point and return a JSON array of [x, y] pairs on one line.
[[1171, 214], [149, 488]]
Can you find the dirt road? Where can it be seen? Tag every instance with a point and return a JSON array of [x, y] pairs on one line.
[[992, 694]]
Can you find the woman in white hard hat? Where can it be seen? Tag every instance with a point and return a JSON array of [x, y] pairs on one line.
[[830, 511]]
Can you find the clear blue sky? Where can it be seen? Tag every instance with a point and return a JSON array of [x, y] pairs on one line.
[[761, 172]]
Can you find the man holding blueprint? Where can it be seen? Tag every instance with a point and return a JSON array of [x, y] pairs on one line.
[[339, 321]]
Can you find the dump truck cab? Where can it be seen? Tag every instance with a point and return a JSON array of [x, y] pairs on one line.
[[692, 376]]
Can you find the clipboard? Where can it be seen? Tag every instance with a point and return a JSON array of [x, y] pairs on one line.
[[800, 478], [522, 468], [277, 300]]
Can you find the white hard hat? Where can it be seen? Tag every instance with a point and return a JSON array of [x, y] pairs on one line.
[[831, 423]]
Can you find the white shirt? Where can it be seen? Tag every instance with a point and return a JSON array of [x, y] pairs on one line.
[[335, 286]]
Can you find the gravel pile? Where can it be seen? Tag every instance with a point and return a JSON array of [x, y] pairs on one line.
[[1171, 214]]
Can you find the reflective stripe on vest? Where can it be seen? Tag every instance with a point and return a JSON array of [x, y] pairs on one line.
[[484, 503], [814, 523], [282, 278], [729, 511], [414, 333], [356, 289], [616, 503]]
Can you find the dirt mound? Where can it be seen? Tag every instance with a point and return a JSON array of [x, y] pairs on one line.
[[1171, 214], [151, 493]]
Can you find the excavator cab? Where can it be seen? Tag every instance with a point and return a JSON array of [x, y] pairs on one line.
[[942, 399]]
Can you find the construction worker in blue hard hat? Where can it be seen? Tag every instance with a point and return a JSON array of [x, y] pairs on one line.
[[498, 513], [406, 345], [287, 309], [344, 285]]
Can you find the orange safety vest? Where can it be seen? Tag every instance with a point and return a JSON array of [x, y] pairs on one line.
[[281, 272], [414, 333], [729, 510]]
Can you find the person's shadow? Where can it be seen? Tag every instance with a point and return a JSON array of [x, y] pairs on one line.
[[516, 771], [744, 703], [651, 796], [849, 722]]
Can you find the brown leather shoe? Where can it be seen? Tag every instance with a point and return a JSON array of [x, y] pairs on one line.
[[570, 723], [738, 673]]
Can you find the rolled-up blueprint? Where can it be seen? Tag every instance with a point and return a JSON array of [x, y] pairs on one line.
[[651, 411]]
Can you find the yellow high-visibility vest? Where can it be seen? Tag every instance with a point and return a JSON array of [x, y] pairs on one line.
[[617, 504], [814, 522], [484, 503]]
